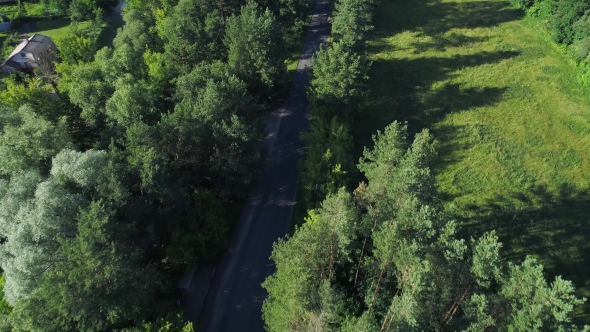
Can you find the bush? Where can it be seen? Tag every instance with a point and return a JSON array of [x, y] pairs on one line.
[[542, 9], [523, 3], [567, 13], [580, 49], [585, 77]]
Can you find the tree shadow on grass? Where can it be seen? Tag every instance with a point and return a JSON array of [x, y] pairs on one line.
[[403, 92], [401, 88], [440, 42], [550, 226], [434, 17]]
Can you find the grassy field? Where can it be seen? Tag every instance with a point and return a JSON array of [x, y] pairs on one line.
[[511, 121]]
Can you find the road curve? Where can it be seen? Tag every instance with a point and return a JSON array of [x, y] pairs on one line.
[[235, 296]]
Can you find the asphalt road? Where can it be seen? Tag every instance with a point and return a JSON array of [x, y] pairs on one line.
[[234, 298]]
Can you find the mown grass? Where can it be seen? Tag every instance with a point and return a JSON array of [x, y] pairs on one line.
[[511, 120], [58, 28]]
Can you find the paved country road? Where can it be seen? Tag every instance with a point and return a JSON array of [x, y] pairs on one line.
[[234, 297]]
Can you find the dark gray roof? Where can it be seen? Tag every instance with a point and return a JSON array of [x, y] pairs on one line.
[[35, 44], [11, 63]]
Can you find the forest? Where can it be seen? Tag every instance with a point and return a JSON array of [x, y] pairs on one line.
[[422, 207], [436, 193], [124, 165]]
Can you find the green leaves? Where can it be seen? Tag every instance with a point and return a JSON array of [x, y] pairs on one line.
[[395, 251], [256, 50], [193, 33], [300, 293], [351, 22], [338, 78], [328, 164], [28, 141]]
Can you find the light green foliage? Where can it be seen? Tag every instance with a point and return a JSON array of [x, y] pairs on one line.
[[5, 308], [32, 92], [76, 46], [28, 141], [351, 22], [131, 102], [328, 164], [133, 40], [300, 293], [256, 50], [338, 78], [525, 303], [87, 89]]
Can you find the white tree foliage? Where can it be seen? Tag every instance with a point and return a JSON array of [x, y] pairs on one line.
[[35, 215]]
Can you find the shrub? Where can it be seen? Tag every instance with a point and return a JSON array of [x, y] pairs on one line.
[[523, 3], [567, 12], [580, 49]]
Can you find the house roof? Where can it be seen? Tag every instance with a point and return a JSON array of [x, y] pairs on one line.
[[34, 44], [11, 63]]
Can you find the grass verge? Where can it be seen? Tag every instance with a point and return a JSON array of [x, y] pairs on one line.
[[512, 123]]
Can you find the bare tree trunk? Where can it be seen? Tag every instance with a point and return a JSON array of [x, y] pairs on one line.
[[332, 245], [449, 315], [363, 250], [376, 288], [359, 264]]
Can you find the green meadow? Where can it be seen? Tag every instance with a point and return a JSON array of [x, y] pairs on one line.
[[511, 121]]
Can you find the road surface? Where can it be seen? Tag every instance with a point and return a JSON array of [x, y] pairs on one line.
[[234, 298]]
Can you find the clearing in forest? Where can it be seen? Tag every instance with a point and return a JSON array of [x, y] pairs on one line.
[[511, 120]]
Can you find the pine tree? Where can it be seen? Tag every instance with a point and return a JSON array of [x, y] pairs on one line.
[[256, 50], [300, 293], [400, 265]]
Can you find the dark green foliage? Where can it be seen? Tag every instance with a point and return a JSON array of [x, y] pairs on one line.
[[563, 23], [171, 323], [171, 143], [292, 14], [523, 3], [193, 33], [200, 234], [580, 49], [328, 163]]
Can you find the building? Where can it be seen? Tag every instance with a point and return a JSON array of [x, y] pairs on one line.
[[27, 55]]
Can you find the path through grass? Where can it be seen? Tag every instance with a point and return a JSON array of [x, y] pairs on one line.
[[511, 120]]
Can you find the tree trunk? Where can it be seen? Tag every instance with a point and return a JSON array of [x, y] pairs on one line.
[[332, 245], [359, 264], [363, 250], [376, 288], [449, 315]]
